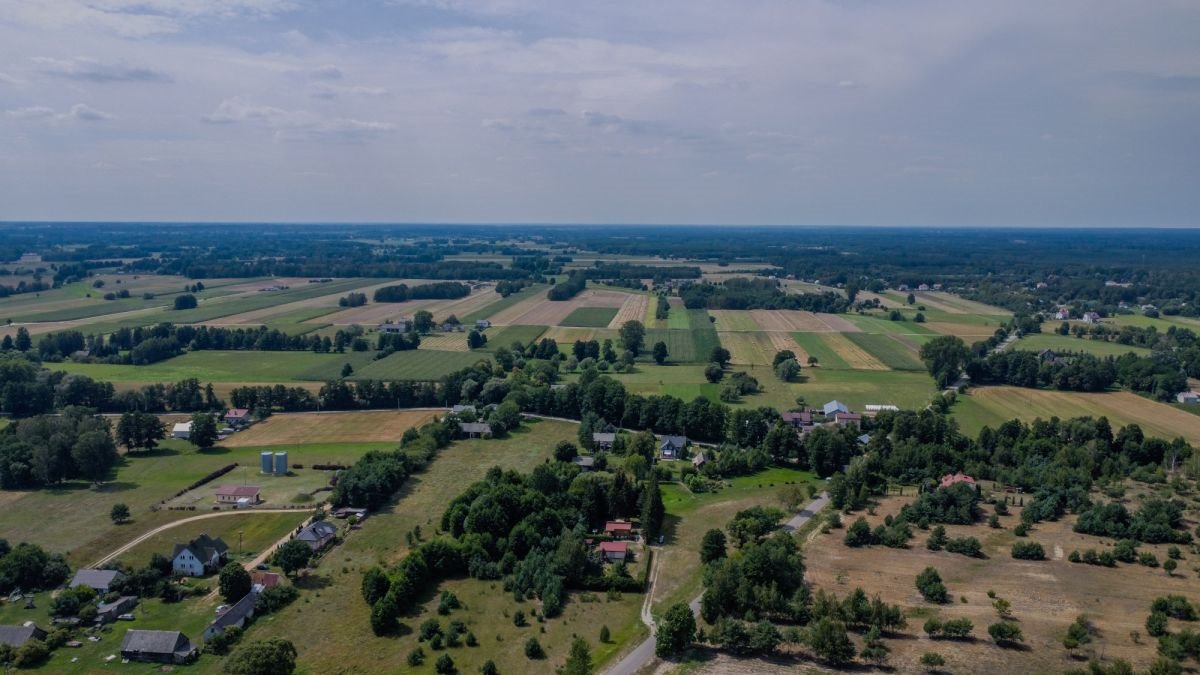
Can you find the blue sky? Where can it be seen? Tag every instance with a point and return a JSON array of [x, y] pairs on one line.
[[863, 112]]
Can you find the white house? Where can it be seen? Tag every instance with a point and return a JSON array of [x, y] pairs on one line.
[[202, 555], [1063, 314], [1188, 397], [182, 430], [482, 324], [399, 326]]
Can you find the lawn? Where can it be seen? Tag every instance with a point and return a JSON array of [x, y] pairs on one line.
[[373, 426], [418, 365], [889, 349], [330, 626], [247, 535], [1063, 343], [589, 317], [229, 366]]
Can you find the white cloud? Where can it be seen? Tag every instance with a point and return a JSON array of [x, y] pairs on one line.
[[79, 111], [31, 113], [91, 70], [132, 18], [82, 111], [326, 72], [236, 109], [5, 78]]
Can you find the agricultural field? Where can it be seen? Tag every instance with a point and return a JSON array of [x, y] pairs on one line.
[[417, 364], [341, 427], [633, 309], [505, 336], [1046, 596], [445, 342], [682, 346], [1064, 343], [333, 633], [880, 324], [253, 300], [734, 320], [589, 317], [749, 349], [499, 304], [791, 321], [538, 311], [891, 350], [993, 405], [953, 304], [228, 366]]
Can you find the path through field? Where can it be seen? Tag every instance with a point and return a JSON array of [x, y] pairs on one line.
[[163, 528]]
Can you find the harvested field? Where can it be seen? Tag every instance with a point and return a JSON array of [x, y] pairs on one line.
[[347, 427], [375, 313], [783, 342], [1046, 596], [498, 303], [461, 307], [889, 350], [329, 302], [633, 309], [748, 349], [590, 317], [815, 345], [854, 356], [538, 311], [791, 321], [992, 405], [446, 342], [735, 320]]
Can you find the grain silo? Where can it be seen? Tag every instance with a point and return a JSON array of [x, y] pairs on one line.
[[281, 464], [265, 460]]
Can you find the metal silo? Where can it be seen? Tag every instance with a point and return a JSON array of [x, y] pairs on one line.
[[281, 464], [265, 459]]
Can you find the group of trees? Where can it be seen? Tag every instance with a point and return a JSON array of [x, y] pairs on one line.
[[448, 290], [1158, 375], [757, 293], [352, 300], [49, 449], [28, 568], [568, 289]]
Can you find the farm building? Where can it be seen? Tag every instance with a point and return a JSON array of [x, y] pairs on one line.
[[200, 556], [476, 429], [672, 447], [798, 420], [399, 326], [954, 478], [618, 529], [233, 616], [1091, 317], [585, 462], [157, 646], [603, 441], [1188, 397], [97, 580], [317, 535], [614, 551], [834, 407], [242, 495], [237, 417], [698, 461], [483, 324], [847, 419], [1063, 314], [261, 581], [111, 611], [182, 430], [460, 409], [876, 408], [15, 636]]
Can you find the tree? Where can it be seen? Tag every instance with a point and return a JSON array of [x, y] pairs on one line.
[[787, 370], [719, 356], [533, 649], [579, 662], [234, 582], [94, 454], [1005, 632], [713, 372], [929, 583], [204, 430], [422, 321], [185, 301], [565, 451], [919, 318], [445, 665], [858, 534], [1078, 633], [660, 352], [140, 430], [24, 342], [873, 648], [1169, 566], [347, 370], [712, 546], [273, 656], [932, 661], [944, 358], [293, 556], [633, 336], [676, 631], [911, 299], [475, 339], [489, 668], [605, 635], [828, 639], [119, 513], [653, 509], [1028, 550]]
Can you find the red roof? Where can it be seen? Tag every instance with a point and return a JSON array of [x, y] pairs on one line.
[[614, 546], [952, 478], [237, 412], [618, 526], [238, 491], [267, 579]]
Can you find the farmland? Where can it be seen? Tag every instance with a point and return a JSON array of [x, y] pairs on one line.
[[342, 427], [225, 366], [589, 317], [1063, 343], [891, 350], [416, 364]]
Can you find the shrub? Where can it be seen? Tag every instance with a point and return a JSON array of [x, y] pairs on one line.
[[929, 583], [533, 649], [1028, 550], [1005, 632]]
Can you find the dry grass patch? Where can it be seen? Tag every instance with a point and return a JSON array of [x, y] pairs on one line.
[[445, 342], [748, 349], [968, 332], [784, 342], [374, 313], [788, 321], [349, 427], [538, 311], [855, 357]]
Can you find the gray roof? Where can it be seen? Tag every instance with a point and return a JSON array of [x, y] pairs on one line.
[[240, 610], [475, 427], [203, 547], [98, 579], [864, 439], [604, 437], [17, 635], [674, 441], [156, 642], [834, 406], [120, 605], [585, 461], [317, 531]]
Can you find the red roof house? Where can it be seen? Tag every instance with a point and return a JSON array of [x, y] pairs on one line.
[[265, 579], [614, 551], [618, 528], [234, 494], [952, 478], [237, 416]]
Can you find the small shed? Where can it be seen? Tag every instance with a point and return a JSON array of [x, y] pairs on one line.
[[182, 430], [97, 580], [476, 429], [157, 646]]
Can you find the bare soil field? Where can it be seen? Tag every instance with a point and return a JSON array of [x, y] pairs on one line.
[[351, 427], [1046, 596], [855, 357], [633, 309], [538, 311]]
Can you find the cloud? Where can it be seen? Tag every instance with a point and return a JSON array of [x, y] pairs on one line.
[[295, 125], [5, 78], [91, 70], [236, 109], [326, 72], [336, 130], [79, 111], [82, 111], [31, 113], [134, 18]]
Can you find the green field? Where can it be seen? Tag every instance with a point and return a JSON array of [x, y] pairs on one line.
[[816, 346], [417, 364], [888, 349], [247, 535], [704, 334], [502, 303], [681, 345], [215, 309], [226, 366], [589, 317], [105, 307], [876, 324], [505, 336], [1063, 343]]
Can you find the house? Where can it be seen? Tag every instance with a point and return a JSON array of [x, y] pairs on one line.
[[618, 529], [1063, 314], [399, 326], [237, 417], [157, 646], [603, 441], [902, 287], [923, 287], [937, 287], [876, 408], [672, 446], [237, 615], [261, 581], [110, 611], [614, 551], [585, 462], [460, 409], [1091, 317], [200, 556], [1188, 397], [317, 535], [242, 495], [834, 407], [864, 439], [1047, 355], [97, 580], [182, 430], [798, 420], [476, 429], [954, 478], [847, 419], [483, 324], [15, 636], [698, 461], [1041, 285]]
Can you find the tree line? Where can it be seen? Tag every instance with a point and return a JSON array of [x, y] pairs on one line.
[[439, 290]]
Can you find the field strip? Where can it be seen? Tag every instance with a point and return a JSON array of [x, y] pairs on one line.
[[543, 312], [788, 320], [735, 320], [446, 342], [837, 323], [633, 309], [508, 315], [784, 341], [355, 427], [566, 336], [263, 315], [374, 313], [855, 357], [748, 349], [935, 302], [461, 307], [960, 329]]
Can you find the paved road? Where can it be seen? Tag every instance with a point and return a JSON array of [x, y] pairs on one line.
[[163, 528], [644, 652]]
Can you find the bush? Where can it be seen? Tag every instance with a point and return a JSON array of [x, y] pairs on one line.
[[929, 583], [1028, 550], [1005, 632], [533, 649]]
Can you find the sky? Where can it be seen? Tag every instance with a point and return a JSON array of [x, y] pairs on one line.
[[808, 112]]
